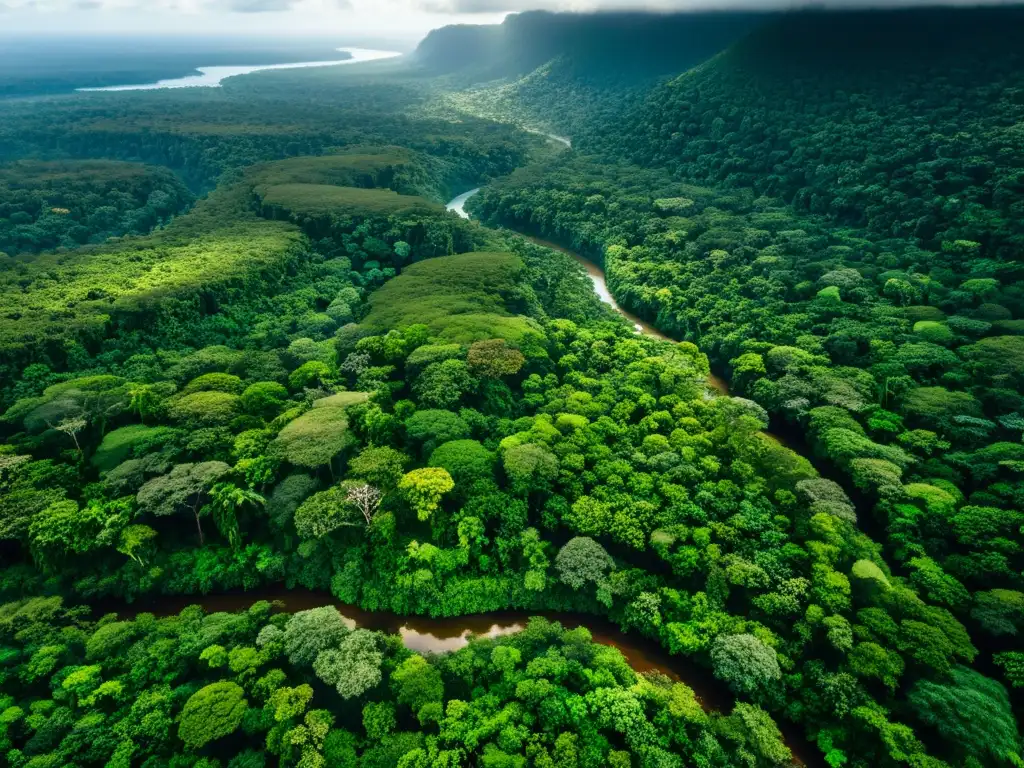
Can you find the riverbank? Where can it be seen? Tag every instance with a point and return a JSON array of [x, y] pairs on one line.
[[596, 275], [213, 77], [424, 634]]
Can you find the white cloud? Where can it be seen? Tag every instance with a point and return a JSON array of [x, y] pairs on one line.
[[404, 20], [491, 6], [384, 19]]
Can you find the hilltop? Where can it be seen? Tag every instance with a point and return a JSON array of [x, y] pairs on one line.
[[657, 44], [559, 71], [908, 124]]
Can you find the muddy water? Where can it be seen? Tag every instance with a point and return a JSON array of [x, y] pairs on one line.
[[429, 635], [717, 383]]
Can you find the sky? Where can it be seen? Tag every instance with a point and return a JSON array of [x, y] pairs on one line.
[[405, 20], [399, 19]]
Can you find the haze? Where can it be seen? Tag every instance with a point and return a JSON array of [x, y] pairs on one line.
[[399, 20]]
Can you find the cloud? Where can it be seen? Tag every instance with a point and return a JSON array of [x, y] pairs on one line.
[[255, 6], [182, 6], [377, 20], [492, 6], [505, 6], [266, 6]]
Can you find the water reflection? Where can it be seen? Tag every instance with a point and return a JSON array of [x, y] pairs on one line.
[[425, 635], [212, 77]]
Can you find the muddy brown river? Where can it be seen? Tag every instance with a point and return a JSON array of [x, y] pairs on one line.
[[443, 635], [426, 635]]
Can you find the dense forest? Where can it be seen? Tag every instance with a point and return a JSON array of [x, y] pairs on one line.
[[47, 205], [895, 350], [315, 377], [203, 133], [565, 71], [906, 123]]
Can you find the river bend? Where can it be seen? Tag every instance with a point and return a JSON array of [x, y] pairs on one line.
[[596, 275]]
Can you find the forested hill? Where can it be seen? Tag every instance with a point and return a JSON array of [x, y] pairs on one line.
[[601, 45], [909, 124], [46, 205]]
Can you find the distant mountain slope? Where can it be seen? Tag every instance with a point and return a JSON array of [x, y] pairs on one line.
[[913, 126], [563, 71], [614, 45]]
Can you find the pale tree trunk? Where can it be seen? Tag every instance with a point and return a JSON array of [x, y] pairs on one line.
[[199, 527]]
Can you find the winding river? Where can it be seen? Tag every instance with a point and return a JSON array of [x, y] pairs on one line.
[[444, 635], [213, 77], [643, 655], [596, 274]]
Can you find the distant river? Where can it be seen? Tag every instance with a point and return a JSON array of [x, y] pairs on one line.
[[212, 77], [596, 274], [593, 270], [564, 141]]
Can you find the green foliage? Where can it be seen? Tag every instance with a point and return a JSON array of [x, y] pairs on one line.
[[972, 715], [314, 438], [308, 633], [47, 205], [745, 663], [111, 287], [493, 358], [286, 498], [458, 298], [416, 683], [180, 488], [121, 444], [204, 409], [466, 461], [529, 467], [212, 713], [382, 467], [999, 611], [583, 561], [264, 398], [354, 667], [393, 167], [316, 200], [324, 512], [432, 427], [877, 340], [492, 697], [866, 306], [424, 488], [378, 720]]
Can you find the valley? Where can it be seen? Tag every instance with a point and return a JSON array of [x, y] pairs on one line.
[[311, 457]]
